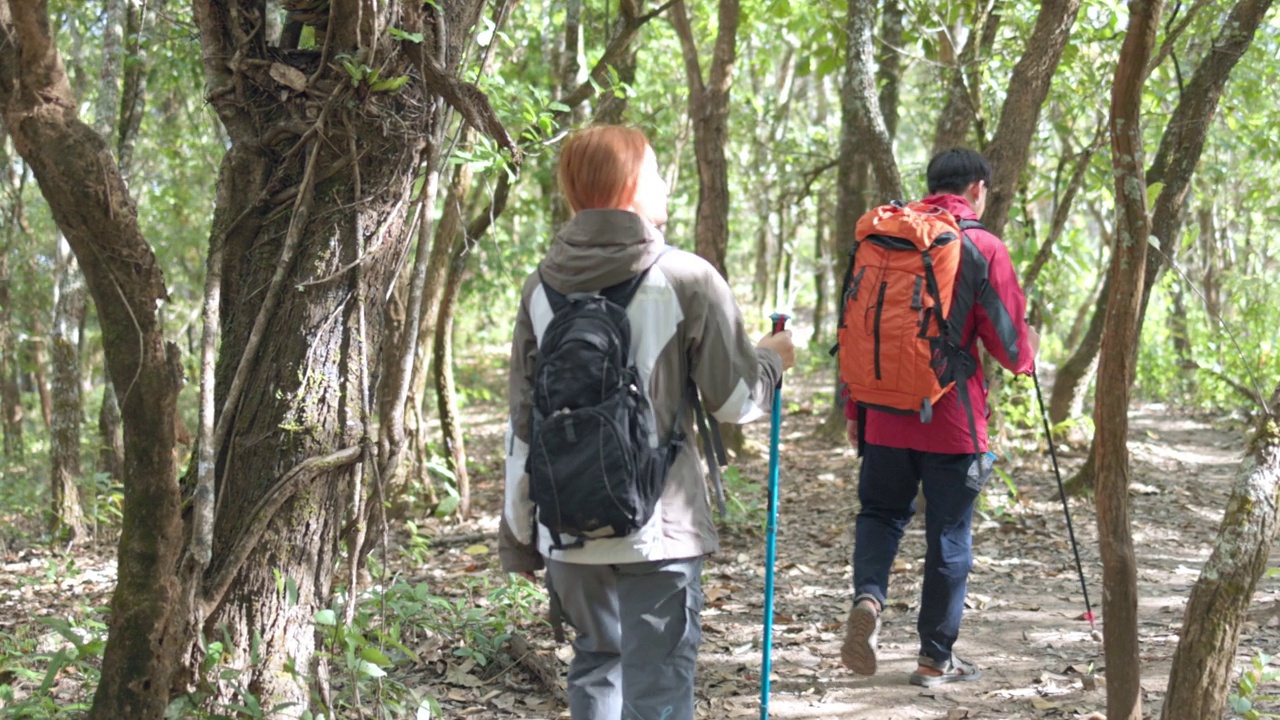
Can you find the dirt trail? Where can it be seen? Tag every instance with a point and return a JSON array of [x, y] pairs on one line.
[[1022, 625]]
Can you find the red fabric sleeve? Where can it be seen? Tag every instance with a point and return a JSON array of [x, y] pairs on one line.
[[1004, 282]]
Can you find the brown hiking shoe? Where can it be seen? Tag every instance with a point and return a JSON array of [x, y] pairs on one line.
[[861, 631]]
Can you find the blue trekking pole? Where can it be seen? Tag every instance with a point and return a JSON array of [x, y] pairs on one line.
[[771, 550]]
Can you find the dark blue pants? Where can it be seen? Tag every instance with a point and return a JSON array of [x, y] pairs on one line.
[[887, 490]]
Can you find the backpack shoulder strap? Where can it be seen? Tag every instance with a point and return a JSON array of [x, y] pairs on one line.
[[555, 297], [971, 225], [622, 293]]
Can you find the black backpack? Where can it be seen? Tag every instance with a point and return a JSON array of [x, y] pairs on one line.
[[592, 472]]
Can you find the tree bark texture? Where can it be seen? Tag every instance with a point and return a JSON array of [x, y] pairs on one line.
[[67, 520], [92, 208], [1203, 664], [1116, 368], [860, 104], [11, 412], [39, 370], [110, 459], [709, 113], [446, 391], [313, 218], [1027, 89]]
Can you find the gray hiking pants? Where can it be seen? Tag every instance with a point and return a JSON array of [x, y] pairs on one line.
[[637, 626]]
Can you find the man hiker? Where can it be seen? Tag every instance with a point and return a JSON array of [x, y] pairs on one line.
[[946, 453], [630, 584]]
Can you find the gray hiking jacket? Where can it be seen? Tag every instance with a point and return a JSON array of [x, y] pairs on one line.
[[684, 323]]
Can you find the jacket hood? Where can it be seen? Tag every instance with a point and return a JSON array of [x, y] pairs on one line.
[[954, 204], [600, 248]]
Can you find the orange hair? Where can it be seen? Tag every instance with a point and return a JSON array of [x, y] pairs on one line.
[[600, 166]]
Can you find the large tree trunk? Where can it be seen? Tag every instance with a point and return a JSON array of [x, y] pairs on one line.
[[67, 520], [91, 205], [1116, 368], [1204, 662], [1027, 89], [303, 281]]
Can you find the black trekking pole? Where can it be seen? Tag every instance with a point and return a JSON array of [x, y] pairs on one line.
[[1048, 435]]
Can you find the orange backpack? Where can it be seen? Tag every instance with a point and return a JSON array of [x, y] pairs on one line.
[[906, 297]]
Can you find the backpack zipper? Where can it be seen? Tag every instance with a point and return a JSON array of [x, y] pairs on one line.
[[879, 309]]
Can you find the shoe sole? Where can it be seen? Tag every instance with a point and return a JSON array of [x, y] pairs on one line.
[[858, 652], [928, 681]]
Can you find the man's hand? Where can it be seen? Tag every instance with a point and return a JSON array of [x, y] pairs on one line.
[[851, 432], [1033, 339], [781, 344]]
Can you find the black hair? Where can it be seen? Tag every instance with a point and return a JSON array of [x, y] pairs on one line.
[[954, 170]]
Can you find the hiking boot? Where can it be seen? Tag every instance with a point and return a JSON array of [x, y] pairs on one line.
[[956, 669], [861, 631]]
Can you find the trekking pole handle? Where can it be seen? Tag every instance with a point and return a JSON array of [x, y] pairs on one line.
[[779, 322]]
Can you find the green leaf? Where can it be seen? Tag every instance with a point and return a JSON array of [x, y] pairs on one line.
[[398, 34], [326, 617], [368, 669], [374, 655], [389, 84], [1153, 192], [558, 107]]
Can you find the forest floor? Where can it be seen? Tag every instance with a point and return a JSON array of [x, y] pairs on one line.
[[1024, 619], [1023, 623]]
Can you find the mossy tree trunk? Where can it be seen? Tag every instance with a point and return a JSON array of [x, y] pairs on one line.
[[1200, 680]]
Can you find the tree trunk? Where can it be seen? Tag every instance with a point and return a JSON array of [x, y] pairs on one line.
[[111, 445], [1027, 89], [823, 268], [67, 520], [963, 84], [39, 363], [1183, 140], [1185, 134], [91, 206], [1204, 661], [10, 397], [446, 391], [1116, 368], [860, 104], [289, 440], [709, 113]]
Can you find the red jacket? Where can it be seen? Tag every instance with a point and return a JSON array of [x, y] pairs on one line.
[[1004, 336]]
